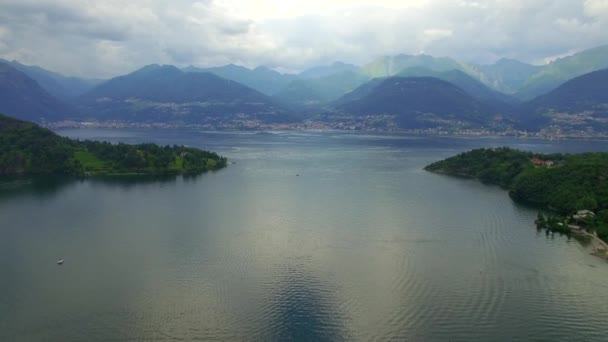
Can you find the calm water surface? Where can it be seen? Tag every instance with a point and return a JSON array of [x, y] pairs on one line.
[[362, 245]]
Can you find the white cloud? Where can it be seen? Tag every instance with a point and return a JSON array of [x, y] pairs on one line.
[[106, 38], [596, 8]]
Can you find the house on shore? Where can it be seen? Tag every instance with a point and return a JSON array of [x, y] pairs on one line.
[[540, 162], [581, 219], [583, 215]]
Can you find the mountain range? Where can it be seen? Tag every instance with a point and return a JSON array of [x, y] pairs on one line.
[[559, 71], [163, 93], [60, 86], [24, 98], [581, 103], [418, 102], [262, 79], [413, 91]]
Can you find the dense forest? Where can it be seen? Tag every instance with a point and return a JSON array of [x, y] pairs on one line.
[[564, 183], [26, 148]]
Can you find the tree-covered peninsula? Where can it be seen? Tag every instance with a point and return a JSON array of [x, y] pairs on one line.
[[28, 149], [563, 183]]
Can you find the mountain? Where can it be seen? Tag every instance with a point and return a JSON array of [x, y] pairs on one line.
[[506, 75], [467, 83], [392, 65], [579, 104], [360, 92], [318, 91], [28, 149], [327, 70], [164, 93], [60, 86], [583, 93], [562, 70], [25, 99], [262, 79], [417, 102]]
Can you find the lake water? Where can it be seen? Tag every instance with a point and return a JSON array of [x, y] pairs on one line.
[[307, 237]]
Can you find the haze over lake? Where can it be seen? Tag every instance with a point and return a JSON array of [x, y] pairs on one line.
[[308, 236]]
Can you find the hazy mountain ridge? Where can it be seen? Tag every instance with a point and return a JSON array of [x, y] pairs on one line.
[[262, 79], [463, 80], [166, 94], [392, 65], [320, 91], [559, 71], [506, 75], [327, 70], [58, 85], [24, 98], [417, 102], [580, 104]]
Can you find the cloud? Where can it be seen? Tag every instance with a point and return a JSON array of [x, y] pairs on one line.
[[107, 38], [596, 8]]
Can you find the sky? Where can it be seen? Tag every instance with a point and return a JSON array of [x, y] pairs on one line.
[[98, 38]]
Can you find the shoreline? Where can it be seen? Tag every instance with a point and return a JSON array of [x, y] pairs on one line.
[[482, 133], [599, 246]]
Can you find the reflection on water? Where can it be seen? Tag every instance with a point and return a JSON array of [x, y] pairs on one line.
[[362, 245], [48, 186], [37, 186]]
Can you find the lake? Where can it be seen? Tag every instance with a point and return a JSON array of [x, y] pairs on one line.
[[307, 236]]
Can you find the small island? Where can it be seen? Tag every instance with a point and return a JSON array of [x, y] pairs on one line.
[[572, 187], [28, 149]]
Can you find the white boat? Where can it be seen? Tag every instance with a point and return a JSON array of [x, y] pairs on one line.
[[60, 262]]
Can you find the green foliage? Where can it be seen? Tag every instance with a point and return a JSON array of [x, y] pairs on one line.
[[26, 148], [578, 182], [497, 166], [574, 182]]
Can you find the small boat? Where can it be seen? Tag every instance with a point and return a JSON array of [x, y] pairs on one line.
[[60, 262]]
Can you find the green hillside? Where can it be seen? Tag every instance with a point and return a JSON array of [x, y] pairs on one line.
[[564, 183], [28, 149]]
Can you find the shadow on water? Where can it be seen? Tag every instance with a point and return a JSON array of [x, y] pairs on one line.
[[305, 309]]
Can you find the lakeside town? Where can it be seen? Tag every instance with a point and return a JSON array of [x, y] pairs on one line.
[[551, 132]]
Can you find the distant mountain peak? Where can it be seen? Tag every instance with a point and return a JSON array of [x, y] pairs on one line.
[[509, 61], [165, 94], [415, 102], [561, 70], [155, 67], [326, 70], [22, 97]]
